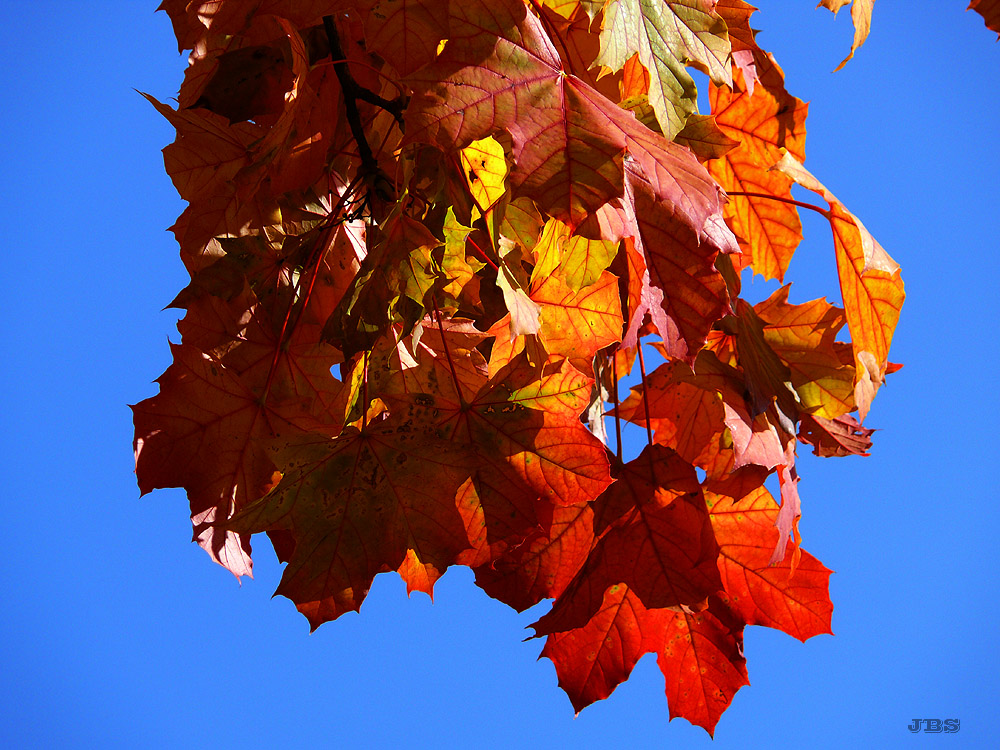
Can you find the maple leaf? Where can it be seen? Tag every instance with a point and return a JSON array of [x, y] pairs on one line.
[[485, 169], [568, 154], [990, 11], [768, 379], [680, 264], [247, 82], [204, 163], [792, 595], [578, 324], [703, 415], [762, 121], [406, 33], [577, 260], [591, 661], [524, 311], [843, 436], [736, 14], [703, 136], [543, 565], [658, 542], [575, 38], [357, 505], [861, 16], [700, 654], [667, 36], [870, 283], [184, 438], [804, 337], [684, 415], [702, 661]]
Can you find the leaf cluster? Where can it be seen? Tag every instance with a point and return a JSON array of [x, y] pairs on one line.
[[427, 240]]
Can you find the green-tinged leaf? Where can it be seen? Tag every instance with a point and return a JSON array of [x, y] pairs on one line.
[[667, 36]]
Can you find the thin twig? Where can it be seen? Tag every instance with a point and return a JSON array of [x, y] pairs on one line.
[[352, 93], [645, 395]]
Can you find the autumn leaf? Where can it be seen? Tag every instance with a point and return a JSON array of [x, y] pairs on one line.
[[870, 283], [577, 260], [700, 655], [568, 156], [792, 595], [578, 324], [485, 169], [360, 504], [659, 543], [689, 289], [843, 436], [804, 337], [543, 565], [405, 32], [185, 438], [861, 16], [525, 313], [576, 40], [591, 661], [457, 264], [763, 121], [767, 377], [990, 11], [736, 14], [684, 415], [702, 661], [667, 37], [247, 82], [204, 162], [705, 138]]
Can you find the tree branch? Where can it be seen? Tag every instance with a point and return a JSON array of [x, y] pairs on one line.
[[353, 92]]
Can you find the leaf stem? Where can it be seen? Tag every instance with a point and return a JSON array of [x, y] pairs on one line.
[[778, 198], [334, 219], [614, 394], [364, 394], [447, 353], [483, 254], [645, 394]]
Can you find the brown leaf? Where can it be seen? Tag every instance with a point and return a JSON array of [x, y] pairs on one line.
[[360, 504]]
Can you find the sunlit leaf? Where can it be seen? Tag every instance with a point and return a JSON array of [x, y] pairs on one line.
[[667, 36], [870, 283]]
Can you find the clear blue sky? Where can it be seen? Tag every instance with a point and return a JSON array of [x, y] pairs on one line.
[[115, 631]]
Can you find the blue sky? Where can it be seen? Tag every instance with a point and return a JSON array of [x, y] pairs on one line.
[[115, 631]]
